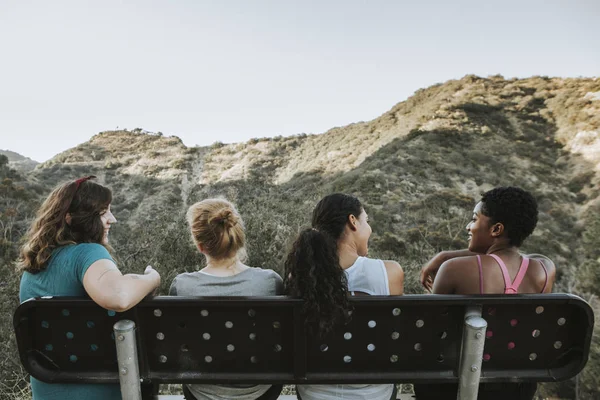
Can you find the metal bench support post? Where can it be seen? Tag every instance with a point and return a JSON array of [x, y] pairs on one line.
[[129, 373], [471, 354]]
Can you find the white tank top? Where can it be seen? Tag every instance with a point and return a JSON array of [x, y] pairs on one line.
[[366, 275], [369, 276]]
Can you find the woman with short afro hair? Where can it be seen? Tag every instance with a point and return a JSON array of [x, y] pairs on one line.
[[502, 220]]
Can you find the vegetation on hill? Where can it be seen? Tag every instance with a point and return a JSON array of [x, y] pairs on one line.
[[19, 162], [419, 169]]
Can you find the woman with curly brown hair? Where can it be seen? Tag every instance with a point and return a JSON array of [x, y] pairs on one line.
[[67, 254], [326, 264], [218, 232]]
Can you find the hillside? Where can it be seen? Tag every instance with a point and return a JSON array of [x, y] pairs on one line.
[[419, 169], [19, 162]]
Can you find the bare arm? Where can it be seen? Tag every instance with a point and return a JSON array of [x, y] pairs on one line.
[[429, 270], [110, 289], [444, 280], [395, 275]]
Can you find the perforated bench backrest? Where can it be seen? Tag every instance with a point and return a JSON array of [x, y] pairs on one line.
[[389, 339]]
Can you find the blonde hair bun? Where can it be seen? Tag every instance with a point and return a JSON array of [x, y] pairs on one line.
[[218, 227], [227, 217]]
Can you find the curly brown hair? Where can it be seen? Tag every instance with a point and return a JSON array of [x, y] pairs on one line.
[[312, 268], [85, 201]]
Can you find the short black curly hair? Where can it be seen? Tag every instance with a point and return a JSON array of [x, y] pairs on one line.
[[515, 208]]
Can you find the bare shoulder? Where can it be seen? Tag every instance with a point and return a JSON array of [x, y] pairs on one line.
[[463, 267], [456, 276], [395, 275], [393, 269], [547, 262], [392, 265], [459, 263]]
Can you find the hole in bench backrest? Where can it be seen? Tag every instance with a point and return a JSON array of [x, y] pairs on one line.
[[539, 309], [396, 312], [347, 335], [536, 333], [371, 347], [395, 335]]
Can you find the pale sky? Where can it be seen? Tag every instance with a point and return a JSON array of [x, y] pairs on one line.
[[229, 71]]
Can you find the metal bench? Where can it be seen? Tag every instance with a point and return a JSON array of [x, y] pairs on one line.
[[414, 338]]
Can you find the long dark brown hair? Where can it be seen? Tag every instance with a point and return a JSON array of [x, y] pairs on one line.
[[85, 201], [312, 268]]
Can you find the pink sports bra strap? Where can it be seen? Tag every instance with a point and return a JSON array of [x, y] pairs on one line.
[[505, 275], [512, 288], [521, 274], [480, 274], [546, 272]]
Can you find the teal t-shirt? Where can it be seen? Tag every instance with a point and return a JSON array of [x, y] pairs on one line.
[[64, 277]]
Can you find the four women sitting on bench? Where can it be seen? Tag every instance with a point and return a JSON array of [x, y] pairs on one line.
[[67, 254]]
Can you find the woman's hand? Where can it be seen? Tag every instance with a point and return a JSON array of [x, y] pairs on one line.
[[430, 269], [154, 274]]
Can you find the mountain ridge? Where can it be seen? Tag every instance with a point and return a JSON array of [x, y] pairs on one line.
[[418, 168]]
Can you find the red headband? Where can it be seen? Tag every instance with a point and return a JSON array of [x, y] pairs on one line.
[[81, 180]]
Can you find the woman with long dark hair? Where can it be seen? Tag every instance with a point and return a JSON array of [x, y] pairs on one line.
[[328, 263], [66, 253]]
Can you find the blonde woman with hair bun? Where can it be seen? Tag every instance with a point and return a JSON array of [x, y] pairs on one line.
[[218, 232]]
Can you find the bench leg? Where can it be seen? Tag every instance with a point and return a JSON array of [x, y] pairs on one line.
[[129, 373], [471, 354]]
